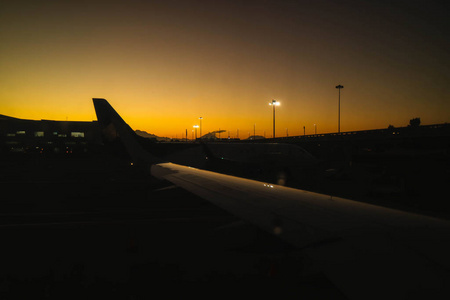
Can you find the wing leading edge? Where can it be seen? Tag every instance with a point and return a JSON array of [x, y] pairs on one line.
[[367, 251]]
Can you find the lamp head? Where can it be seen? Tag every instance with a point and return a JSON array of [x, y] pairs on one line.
[[274, 102]]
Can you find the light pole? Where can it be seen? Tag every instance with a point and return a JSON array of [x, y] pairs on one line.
[[339, 87], [274, 103], [315, 129], [195, 126], [201, 118]]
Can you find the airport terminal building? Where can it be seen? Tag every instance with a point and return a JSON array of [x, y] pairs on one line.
[[47, 136]]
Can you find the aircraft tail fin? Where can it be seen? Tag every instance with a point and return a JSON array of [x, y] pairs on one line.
[[114, 126]]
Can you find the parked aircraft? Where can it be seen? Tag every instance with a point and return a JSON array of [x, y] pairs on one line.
[[367, 251], [284, 164]]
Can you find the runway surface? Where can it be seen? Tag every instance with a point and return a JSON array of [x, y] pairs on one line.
[[90, 226]]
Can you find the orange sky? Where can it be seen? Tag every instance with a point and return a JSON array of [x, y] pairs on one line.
[[164, 64]]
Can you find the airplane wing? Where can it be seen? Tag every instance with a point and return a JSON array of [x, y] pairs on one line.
[[367, 251]]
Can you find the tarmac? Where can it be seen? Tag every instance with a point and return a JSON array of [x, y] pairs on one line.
[[89, 226]]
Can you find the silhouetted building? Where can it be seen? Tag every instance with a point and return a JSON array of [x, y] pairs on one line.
[[256, 137], [22, 135], [213, 135]]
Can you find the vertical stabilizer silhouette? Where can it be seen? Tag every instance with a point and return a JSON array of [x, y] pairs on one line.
[[114, 126]]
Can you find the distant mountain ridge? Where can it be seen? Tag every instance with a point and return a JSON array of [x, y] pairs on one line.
[[3, 117], [145, 134]]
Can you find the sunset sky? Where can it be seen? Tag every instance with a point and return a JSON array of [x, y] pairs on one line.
[[164, 64]]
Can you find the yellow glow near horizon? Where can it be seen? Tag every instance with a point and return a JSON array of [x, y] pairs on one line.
[[163, 66]]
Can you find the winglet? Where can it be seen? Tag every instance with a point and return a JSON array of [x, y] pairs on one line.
[[112, 124]]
